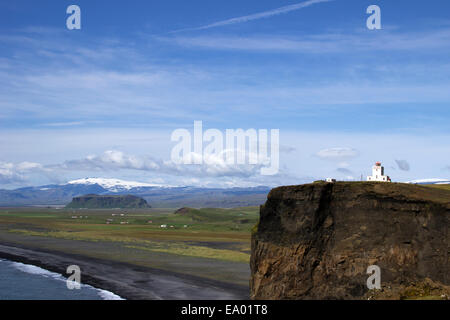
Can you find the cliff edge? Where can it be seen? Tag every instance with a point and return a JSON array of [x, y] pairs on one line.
[[316, 241]]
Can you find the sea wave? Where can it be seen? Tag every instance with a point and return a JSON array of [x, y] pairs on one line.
[[31, 269], [28, 268], [108, 295]]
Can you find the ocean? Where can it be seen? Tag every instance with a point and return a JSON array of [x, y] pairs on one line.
[[20, 281]]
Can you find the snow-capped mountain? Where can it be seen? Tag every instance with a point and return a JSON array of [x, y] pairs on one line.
[[431, 181], [156, 195], [114, 185]]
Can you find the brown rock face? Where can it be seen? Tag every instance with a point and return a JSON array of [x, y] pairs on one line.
[[316, 241]]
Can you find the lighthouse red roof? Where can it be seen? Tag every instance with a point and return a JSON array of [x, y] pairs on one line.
[[378, 163]]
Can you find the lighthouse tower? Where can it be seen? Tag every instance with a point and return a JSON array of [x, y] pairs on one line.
[[378, 174]]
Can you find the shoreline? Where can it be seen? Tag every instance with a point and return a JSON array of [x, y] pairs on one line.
[[129, 281], [34, 270]]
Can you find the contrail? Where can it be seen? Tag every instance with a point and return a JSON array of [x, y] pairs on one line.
[[256, 16]]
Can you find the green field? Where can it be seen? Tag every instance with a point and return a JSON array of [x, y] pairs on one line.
[[212, 233], [209, 243]]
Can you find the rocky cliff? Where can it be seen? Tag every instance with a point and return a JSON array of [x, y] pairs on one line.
[[316, 241]]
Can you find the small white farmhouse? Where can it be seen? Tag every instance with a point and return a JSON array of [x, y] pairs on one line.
[[378, 174]]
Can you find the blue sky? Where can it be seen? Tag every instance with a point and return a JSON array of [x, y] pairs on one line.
[[116, 89]]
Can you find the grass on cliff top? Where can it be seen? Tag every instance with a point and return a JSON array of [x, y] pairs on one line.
[[439, 186], [427, 192]]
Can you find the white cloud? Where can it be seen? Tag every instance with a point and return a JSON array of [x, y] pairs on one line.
[[295, 168], [109, 160], [213, 166], [15, 172], [114, 162]]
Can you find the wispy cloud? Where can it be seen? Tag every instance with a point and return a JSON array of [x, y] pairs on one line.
[[337, 154], [256, 16], [64, 124], [345, 171], [59, 86], [322, 43]]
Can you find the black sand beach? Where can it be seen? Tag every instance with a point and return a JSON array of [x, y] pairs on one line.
[[127, 280]]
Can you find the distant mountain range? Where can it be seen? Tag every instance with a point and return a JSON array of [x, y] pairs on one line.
[[156, 195], [115, 185]]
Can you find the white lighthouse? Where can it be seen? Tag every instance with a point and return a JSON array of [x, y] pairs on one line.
[[378, 174]]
